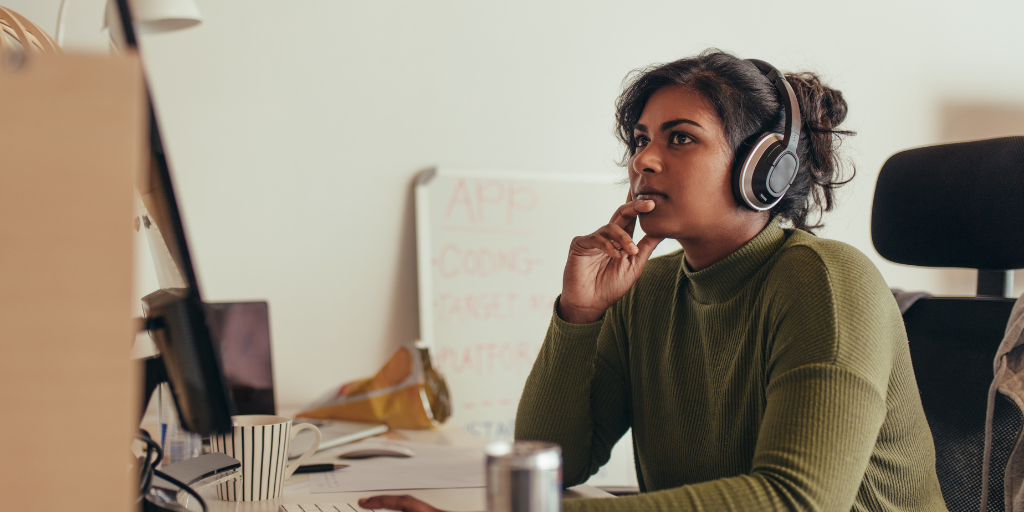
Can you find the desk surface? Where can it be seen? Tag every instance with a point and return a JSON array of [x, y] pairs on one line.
[[445, 499]]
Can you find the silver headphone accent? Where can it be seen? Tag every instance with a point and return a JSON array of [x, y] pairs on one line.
[[771, 164]]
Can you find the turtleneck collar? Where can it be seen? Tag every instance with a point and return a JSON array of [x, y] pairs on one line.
[[724, 279]]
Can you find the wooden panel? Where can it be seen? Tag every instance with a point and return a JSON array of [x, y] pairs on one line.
[[71, 139]]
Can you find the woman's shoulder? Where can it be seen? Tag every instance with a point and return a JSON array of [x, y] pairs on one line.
[[835, 277], [835, 288], [806, 253], [831, 274]]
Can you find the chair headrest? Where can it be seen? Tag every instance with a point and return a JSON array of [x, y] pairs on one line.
[[953, 205]]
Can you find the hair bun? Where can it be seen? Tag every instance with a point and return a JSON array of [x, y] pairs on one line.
[[822, 108]]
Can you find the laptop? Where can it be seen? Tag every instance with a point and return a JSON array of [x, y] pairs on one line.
[[242, 330]]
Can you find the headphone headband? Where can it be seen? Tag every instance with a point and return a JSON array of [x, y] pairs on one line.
[[791, 131], [770, 163]]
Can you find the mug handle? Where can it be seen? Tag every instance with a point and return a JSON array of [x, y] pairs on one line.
[[290, 469]]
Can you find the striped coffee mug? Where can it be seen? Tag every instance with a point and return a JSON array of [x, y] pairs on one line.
[[260, 443]]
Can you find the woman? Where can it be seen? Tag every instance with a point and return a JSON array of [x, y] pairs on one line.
[[761, 367]]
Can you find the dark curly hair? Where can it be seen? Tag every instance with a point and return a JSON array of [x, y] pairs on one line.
[[748, 105]]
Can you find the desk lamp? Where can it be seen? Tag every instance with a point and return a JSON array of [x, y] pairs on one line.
[[150, 16]]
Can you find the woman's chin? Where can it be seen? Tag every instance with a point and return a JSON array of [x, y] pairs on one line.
[[653, 227]]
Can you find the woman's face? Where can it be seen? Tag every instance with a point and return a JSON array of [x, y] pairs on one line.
[[682, 162]]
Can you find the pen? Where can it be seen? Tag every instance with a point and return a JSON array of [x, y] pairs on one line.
[[319, 468]]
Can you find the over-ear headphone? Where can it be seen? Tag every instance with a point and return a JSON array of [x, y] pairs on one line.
[[771, 162]]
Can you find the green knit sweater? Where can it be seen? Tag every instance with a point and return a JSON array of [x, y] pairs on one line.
[[777, 379]]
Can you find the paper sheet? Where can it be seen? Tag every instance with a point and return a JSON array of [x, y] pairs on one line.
[[433, 467]]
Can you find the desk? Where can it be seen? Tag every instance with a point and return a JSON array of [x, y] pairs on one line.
[[444, 499]]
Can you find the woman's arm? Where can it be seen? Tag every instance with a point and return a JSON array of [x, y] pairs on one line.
[[577, 395]]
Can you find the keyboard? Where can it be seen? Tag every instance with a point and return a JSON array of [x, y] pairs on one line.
[[321, 507]]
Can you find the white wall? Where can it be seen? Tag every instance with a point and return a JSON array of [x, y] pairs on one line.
[[295, 128]]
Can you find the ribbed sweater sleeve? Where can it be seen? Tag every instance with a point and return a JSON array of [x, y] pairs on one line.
[[556, 403]]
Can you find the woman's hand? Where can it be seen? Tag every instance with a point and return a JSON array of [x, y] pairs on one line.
[[603, 265], [404, 503]]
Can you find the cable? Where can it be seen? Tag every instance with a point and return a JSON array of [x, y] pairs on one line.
[[124, 12], [145, 438], [149, 469], [183, 487], [60, 22], [146, 476]]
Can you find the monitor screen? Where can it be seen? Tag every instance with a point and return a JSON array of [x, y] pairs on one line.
[[242, 330]]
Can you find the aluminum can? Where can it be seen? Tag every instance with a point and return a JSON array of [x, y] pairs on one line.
[[525, 476]]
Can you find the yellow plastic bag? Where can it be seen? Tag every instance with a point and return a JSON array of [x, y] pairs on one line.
[[406, 393]]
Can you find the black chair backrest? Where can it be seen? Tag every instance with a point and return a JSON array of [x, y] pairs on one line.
[[954, 205], [957, 205]]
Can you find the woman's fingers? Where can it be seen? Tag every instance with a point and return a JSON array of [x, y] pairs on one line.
[[619, 238], [646, 246], [596, 241], [626, 214], [615, 238], [610, 239], [630, 226], [403, 503]]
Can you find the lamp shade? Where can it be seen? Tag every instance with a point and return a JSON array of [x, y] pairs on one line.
[[165, 15], [153, 16]]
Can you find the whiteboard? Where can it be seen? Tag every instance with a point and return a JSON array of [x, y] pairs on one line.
[[491, 247]]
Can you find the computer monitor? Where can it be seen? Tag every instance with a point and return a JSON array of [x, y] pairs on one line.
[[175, 316], [188, 361]]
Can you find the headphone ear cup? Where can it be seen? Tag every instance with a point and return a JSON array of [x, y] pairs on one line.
[[743, 175], [737, 169]]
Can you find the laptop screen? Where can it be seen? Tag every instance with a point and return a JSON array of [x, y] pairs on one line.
[[242, 330]]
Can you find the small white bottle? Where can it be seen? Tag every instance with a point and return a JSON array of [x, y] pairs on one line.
[[177, 443]]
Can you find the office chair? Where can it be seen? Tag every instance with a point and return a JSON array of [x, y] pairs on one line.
[[958, 205]]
